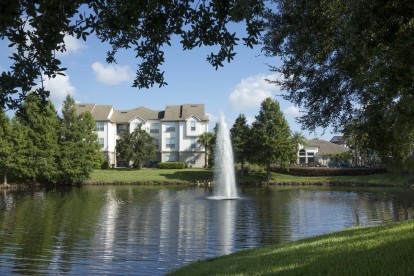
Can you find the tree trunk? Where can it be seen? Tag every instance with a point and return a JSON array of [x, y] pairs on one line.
[[205, 157], [268, 172]]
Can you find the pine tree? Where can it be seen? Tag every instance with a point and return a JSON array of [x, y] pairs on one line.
[[240, 133], [78, 143], [5, 145], [41, 123], [271, 137]]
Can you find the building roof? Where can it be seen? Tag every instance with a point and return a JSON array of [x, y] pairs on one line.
[[325, 147], [125, 116], [171, 113], [99, 112], [339, 139], [183, 112]]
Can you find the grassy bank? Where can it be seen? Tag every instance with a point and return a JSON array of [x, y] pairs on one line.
[[151, 176], [381, 250], [191, 176]]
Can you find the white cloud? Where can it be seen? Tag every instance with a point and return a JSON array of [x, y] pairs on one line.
[[292, 111], [59, 88], [111, 74], [73, 45], [251, 91]]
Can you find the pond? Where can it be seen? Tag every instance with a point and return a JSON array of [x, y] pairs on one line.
[[121, 230]]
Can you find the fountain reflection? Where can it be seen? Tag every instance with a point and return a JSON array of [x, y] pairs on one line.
[[225, 225]]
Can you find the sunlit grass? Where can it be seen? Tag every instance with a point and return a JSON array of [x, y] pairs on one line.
[[380, 250], [151, 176], [191, 176]]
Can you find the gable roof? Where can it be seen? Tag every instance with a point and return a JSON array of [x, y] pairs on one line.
[[171, 113], [326, 147], [99, 112], [183, 112]]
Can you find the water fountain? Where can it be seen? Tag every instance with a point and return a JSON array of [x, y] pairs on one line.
[[224, 176]]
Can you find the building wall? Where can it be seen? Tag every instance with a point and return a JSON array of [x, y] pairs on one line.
[[184, 136]]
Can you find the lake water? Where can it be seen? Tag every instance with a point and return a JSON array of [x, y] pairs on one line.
[[121, 230]]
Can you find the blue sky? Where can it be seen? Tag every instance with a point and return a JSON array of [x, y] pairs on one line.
[[238, 87]]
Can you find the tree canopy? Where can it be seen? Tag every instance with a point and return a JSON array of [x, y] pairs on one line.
[[342, 59], [240, 135], [137, 146], [79, 150], [36, 30], [272, 137], [346, 61]]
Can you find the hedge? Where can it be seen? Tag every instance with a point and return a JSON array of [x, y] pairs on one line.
[[171, 165]]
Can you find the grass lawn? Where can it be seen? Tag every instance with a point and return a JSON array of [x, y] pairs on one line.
[[151, 176], [191, 176], [380, 250]]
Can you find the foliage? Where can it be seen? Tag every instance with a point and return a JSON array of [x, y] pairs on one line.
[[206, 139], [392, 145], [171, 165], [6, 144], [41, 124], [36, 31], [376, 250], [137, 147], [240, 135], [347, 61], [78, 142], [270, 134]]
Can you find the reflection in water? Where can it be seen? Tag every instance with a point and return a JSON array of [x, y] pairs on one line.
[[107, 225], [147, 231], [225, 225]]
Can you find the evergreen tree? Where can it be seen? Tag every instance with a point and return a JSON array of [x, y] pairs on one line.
[[240, 133], [5, 144], [271, 137], [137, 147], [41, 123], [78, 142], [18, 164]]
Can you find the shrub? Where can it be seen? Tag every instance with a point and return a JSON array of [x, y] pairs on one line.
[[171, 165]]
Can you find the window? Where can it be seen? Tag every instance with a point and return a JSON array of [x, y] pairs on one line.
[[100, 126], [193, 143], [101, 142], [170, 127], [193, 125], [170, 143], [155, 128], [170, 158], [302, 152], [193, 160], [121, 128]]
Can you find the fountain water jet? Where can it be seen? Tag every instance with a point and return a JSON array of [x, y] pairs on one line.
[[224, 176]]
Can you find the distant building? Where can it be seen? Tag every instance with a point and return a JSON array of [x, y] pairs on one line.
[[175, 130], [340, 140], [318, 151]]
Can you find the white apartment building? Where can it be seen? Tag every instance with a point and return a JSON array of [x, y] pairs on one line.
[[175, 130]]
